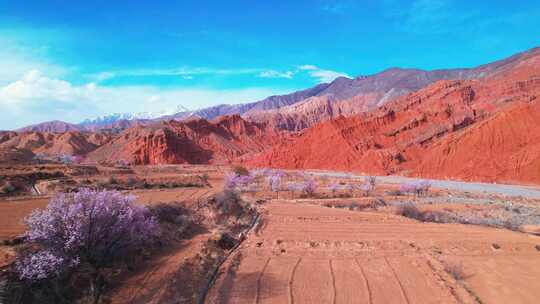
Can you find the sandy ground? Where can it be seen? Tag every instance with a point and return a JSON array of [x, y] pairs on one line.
[[306, 252], [310, 254]]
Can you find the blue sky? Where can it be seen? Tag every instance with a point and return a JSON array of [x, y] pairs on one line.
[[72, 60]]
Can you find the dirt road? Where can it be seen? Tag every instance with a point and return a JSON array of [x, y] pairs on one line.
[[311, 254], [532, 192]]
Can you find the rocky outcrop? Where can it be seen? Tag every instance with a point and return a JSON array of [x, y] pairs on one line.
[[225, 140]]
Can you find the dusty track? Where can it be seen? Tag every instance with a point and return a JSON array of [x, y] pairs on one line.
[[312, 254]]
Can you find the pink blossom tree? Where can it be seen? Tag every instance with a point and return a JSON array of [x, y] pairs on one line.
[[87, 229]]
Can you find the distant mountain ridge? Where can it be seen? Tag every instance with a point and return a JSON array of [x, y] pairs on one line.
[[343, 96], [483, 126]]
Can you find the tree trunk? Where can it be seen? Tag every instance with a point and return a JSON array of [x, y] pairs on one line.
[[96, 286]]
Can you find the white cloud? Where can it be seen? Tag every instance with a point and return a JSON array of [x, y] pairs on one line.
[[16, 60], [322, 75], [36, 98], [188, 73], [308, 67], [183, 72], [276, 74]]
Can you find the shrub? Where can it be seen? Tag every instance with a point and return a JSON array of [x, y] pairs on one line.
[[239, 170], [132, 181], [112, 180], [169, 213], [174, 218], [366, 188], [122, 163], [238, 182], [349, 188], [86, 229], [205, 178], [334, 188], [294, 187], [455, 269], [274, 182], [8, 188], [371, 180], [68, 159], [417, 188], [409, 209], [227, 208]]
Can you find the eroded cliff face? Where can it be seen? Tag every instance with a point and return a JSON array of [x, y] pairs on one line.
[[503, 148], [199, 141]]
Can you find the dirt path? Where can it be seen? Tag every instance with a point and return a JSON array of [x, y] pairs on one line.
[[532, 192], [311, 254]]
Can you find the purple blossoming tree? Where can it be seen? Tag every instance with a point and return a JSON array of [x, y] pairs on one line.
[[87, 228], [417, 187], [274, 182], [238, 182], [334, 187]]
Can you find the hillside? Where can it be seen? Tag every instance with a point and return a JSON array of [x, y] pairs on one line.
[[356, 95], [198, 141], [69, 143], [480, 129]]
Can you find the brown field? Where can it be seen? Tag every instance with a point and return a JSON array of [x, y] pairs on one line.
[[323, 249], [311, 254]]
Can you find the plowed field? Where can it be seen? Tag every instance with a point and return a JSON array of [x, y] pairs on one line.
[[310, 254]]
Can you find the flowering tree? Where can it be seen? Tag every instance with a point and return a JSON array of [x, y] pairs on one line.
[[274, 182], [87, 229], [238, 182], [371, 180], [349, 188], [122, 163], [366, 188], [418, 187], [310, 187], [40, 157], [334, 187]]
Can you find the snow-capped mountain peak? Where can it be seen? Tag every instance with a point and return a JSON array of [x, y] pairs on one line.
[[111, 118]]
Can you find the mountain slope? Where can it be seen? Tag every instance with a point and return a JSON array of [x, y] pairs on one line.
[[198, 141], [503, 148], [465, 129], [55, 126], [69, 143], [356, 95], [349, 97]]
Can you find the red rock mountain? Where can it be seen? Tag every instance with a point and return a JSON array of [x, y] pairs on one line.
[[476, 124], [362, 93], [70, 143], [55, 126], [199, 141], [484, 129]]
